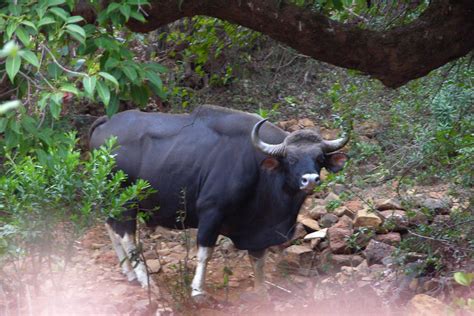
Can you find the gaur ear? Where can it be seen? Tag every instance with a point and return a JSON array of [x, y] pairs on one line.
[[270, 163], [335, 161]]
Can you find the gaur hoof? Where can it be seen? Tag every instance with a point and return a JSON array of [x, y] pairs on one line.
[[206, 301], [256, 296]]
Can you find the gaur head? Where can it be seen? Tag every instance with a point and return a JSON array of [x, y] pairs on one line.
[[301, 156]]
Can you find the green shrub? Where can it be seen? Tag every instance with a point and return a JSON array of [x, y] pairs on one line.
[[50, 196]]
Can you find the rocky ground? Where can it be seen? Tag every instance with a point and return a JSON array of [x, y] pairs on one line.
[[320, 271], [342, 260]]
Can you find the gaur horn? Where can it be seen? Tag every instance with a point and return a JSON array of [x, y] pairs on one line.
[[269, 149], [330, 146]]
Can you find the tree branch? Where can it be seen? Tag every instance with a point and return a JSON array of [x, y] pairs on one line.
[[444, 32]]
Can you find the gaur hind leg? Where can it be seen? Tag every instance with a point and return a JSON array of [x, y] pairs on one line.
[[122, 233]]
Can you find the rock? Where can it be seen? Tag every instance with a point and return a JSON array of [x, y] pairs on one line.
[[388, 204], [305, 123], [328, 220], [339, 188], [287, 124], [417, 217], [331, 197], [318, 234], [299, 233], [344, 210], [323, 245], [392, 238], [97, 245], [297, 258], [412, 257], [366, 218], [154, 265], [315, 243], [337, 237], [353, 205], [441, 219], [376, 251], [344, 222], [396, 220], [431, 285], [317, 212], [369, 128], [345, 260], [438, 205], [363, 268], [308, 222], [425, 305]]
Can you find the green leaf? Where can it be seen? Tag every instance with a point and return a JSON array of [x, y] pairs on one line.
[[337, 4], [74, 19], [89, 84], [42, 101], [110, 78], [76, 36], [138, 2], [54, 71], [3, 124], [55, 2], [154, 79], [67, 87], [30, 57], [125, 10], [463, 278], [11, 27], [76, 31], [30, 24], [137, 16], [111, 63], [113, 106], [13, 66], [29, 124], [59, 12], [45, 21], [104, 92], [139, 94], [22, 35], [55, 104], [156, 67], [113, 6], [130, 73]]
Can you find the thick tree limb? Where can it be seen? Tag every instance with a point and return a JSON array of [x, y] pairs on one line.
[[444, 32]]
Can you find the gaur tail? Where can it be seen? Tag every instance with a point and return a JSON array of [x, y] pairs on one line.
[[101, 120]]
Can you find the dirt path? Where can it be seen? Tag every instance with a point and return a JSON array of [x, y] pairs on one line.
[[93, 284]]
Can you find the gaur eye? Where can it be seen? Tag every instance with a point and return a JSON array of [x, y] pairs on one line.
[[292, 160]]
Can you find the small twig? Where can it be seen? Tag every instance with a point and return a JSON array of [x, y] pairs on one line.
[[74, 73], [443, 241]]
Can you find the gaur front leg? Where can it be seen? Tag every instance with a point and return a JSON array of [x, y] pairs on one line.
[[257, 260], [208, 230]]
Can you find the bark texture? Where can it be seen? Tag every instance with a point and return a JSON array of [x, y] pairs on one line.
[[444, 32]]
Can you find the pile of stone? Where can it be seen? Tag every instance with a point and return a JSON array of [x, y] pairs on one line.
[[353, 234]]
